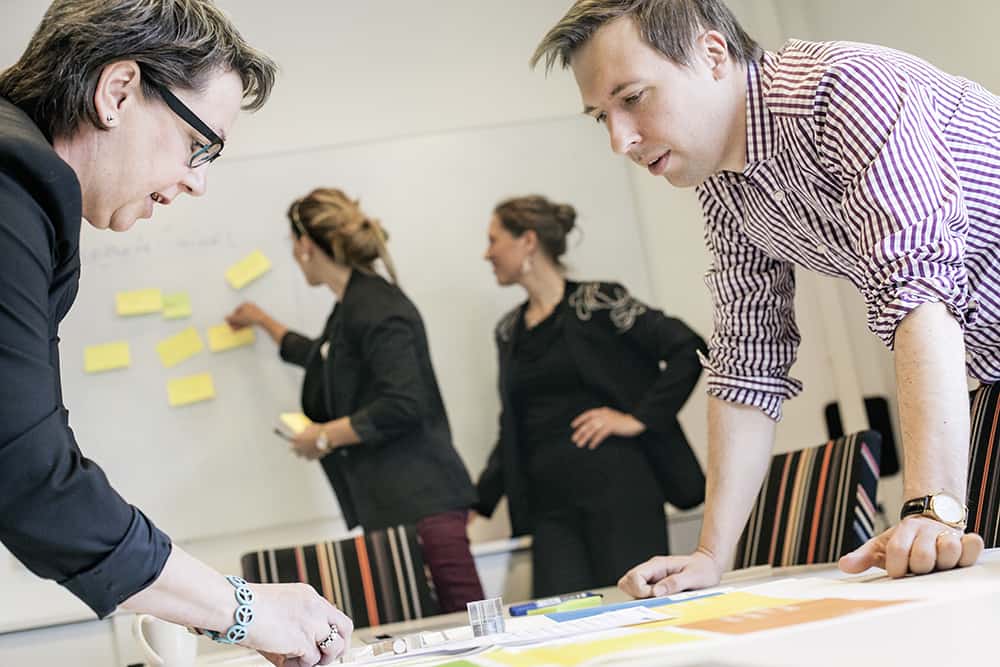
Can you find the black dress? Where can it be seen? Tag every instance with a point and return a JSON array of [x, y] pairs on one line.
[[598, 512]]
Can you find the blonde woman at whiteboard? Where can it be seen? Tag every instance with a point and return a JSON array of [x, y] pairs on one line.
[[116, 107], [379, 425], [591, 380]]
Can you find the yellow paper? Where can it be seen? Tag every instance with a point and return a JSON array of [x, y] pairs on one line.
[[176, 306], [107, 357], [295, 421], [716, 606], [139, 302], [579, 652], [190, 389], [178, 348], [248, 269], [222, 337]]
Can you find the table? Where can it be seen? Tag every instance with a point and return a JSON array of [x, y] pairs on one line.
[[953, 621]]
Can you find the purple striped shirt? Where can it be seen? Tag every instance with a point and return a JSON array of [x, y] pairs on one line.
[[864, 163]]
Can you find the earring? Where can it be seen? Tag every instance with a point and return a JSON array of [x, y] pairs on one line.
[[110, 119]]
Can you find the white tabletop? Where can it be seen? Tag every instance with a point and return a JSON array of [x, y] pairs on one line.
[[954, 619]]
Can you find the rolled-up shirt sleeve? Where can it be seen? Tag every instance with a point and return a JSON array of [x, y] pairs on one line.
[[878, 131], [58, 513], [754, 339]]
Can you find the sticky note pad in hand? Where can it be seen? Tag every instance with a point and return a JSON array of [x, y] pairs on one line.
[[178, 348], [176, 306], [107, 357], [139, 302], [295, 421], [190, 389], [248, 269], [223, 337]]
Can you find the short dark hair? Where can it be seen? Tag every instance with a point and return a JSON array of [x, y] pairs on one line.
[[550, 221], [177, 44], [669, 26]]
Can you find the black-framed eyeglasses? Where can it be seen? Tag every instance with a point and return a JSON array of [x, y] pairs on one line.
[[206, 152]]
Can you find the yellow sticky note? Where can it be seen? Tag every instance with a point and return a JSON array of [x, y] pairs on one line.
[[295, 421], [190, 389], [107, 357], [178, 348], [176, 306], [248, 269], [222, 337], [139, 302]]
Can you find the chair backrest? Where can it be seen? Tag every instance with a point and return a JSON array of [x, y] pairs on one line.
[[816, 504], [984, 465], [376, 578]]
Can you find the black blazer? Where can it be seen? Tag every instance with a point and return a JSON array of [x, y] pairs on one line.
[[373, 364], [644, 362], [58, 513]]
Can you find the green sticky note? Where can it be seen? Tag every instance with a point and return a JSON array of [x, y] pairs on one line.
[[176, 306]]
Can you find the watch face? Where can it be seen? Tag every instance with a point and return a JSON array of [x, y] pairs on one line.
[[947, 508]]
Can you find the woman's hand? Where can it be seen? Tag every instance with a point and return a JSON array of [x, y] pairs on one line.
[[247, 314], [291, 621], [592, 427], [306, 443]]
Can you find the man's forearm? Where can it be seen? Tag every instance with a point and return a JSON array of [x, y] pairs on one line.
[[933, 402], [740, 439]]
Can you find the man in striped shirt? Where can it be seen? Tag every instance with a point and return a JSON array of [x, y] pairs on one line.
[[848, 159]]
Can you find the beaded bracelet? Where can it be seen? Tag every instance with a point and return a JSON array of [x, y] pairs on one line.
[[243, 616]]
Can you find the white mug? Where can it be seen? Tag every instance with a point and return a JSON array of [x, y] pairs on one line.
[[165, 644]]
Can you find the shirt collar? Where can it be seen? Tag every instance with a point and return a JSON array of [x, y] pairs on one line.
[[762, 133]]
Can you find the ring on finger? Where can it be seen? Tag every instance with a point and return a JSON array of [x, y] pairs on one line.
[[334, 633]]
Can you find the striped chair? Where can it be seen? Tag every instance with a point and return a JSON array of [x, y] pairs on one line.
[[984, 465], [815, 505], [375, 579]]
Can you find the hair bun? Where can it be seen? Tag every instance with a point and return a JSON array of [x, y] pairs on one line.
[[566, 217]]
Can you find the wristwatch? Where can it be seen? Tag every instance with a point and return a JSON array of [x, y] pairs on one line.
[[322, 442], [942, 507]]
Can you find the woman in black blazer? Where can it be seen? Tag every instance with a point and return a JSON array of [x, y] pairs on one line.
[[379, 425], [591, 380]]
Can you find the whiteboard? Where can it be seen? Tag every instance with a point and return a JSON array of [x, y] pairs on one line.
[[216, 468]]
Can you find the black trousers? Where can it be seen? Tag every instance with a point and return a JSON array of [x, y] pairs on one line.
[[590, 541]]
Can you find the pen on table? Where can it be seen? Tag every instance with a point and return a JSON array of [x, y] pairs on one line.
[[524, 608]]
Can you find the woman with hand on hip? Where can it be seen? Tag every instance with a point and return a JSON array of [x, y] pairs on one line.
[[379, 425], [591, 380], [116, 106]]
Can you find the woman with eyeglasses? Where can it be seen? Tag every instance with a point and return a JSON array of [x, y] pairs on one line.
[[379, 426], [116, 106], [591, 380]]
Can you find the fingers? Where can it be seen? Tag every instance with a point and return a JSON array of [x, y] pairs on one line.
[[898, 547], [948, 547], [638, 582], [972, 548], [869, 554], [592, 428], [924, 549], [337, 619]]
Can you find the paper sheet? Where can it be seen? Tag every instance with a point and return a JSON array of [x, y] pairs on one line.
[[106, 357], [180, 347], [176, 306], [803, 611], [190, 389], [248, 269], [295, 421], [222, 337], [139, 302]]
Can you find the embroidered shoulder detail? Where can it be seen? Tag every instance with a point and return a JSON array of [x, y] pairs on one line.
[[505, 327], [623, 308]]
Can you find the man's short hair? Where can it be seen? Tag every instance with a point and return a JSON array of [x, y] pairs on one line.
[[669, 26]]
